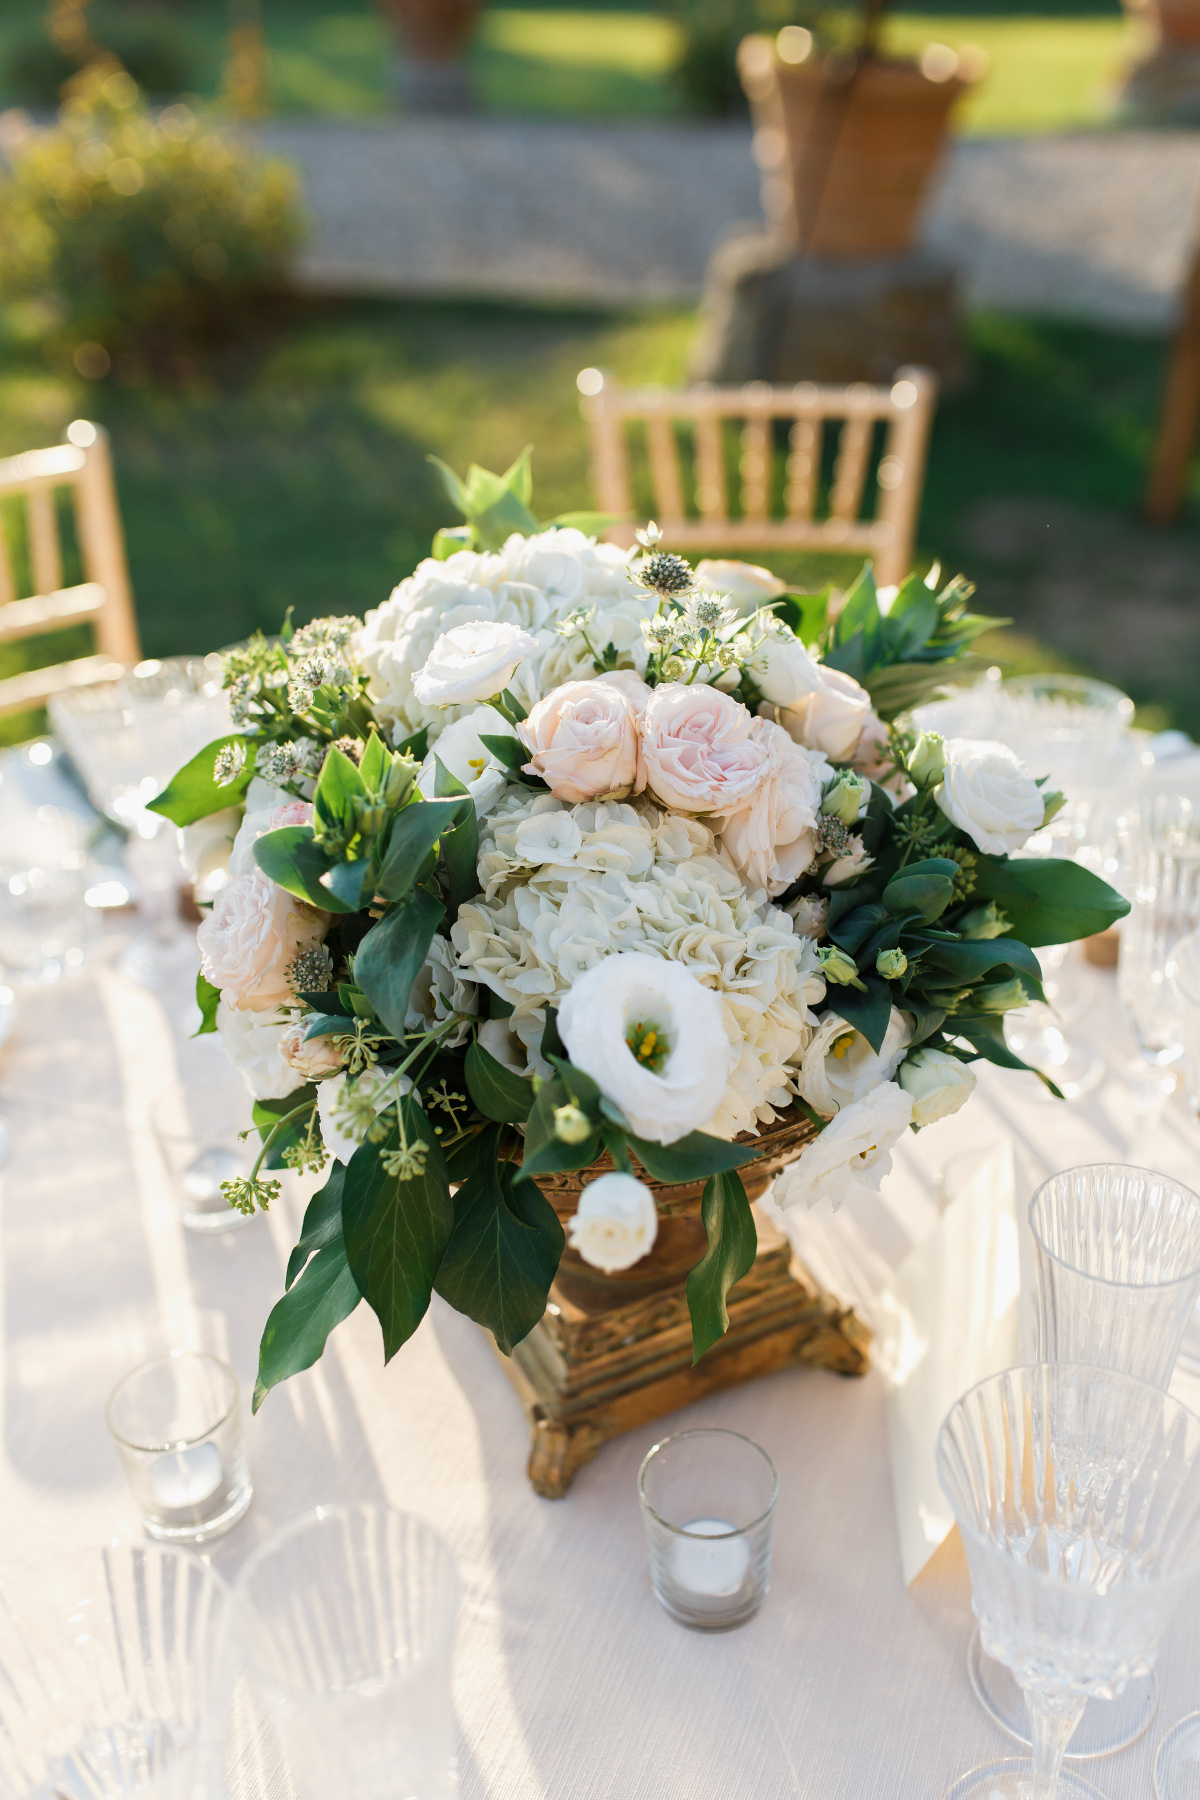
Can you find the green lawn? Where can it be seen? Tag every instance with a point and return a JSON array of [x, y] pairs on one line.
[[331, 56], [302, 481]]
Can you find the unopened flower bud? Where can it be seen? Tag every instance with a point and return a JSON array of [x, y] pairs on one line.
[[837, 966], [1054, 805], [571, 1125], [998, 997], [891, 964], [845, 798], [927, 764], [984, 922]]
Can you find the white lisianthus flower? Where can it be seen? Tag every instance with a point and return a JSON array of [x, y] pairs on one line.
[[616, 1224], [938, 1084], [809, 915], [252, 936], [653, 1039], [252, 1042], [853, 1151], [781, 667], [745, 585], [460, 750], [376, 1084], [439, 990], [832, 717], [989, 793], [310, 1057], [840, 1067], [205, 849], [472, 662]]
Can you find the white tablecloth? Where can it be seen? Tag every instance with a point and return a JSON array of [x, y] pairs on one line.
[[569, 1680]]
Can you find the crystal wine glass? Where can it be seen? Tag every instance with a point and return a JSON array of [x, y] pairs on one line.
[[1164, 868], [1077, 1495]]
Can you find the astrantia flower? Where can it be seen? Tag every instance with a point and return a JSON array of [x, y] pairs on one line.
[[472, 663], [654, 1041], [840, 1066], [988, 792], [853, 1151], [745, 584], [616, 1223]]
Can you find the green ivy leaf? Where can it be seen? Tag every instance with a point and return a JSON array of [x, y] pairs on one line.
[[396, 1231], [299, 1325], [690, 1158], [497, 1092], [415, 831], [322, 1223], [732, 1248], [460, 847], [503, 1254], [390, 955], [294, 860], [208, 998], [192, 793]]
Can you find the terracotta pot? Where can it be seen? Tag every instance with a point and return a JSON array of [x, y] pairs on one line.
[[847, 153], [682, 1239], [433, 31]]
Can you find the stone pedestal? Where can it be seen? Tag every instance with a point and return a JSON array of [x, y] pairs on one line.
[[773, 313]]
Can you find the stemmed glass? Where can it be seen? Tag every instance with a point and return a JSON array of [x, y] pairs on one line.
[[1077, 1495], [1117, 1259], [1164, 867]]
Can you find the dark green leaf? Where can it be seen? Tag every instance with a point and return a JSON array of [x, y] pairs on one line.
[[390, 955], [1048, 901], [860, 610], [415, 831], [300, 1323], [295, 861], [322, 1222], [464, 1159], [912, 618], [267, 1114], [842, 902], [396, 1231], [507, 750], [329, 1025], [986, 1035], [868, 1013], [348, 881], [852, 931], [581, 1089], [972, 959], [497, 1091], [503, 1254], [929, 1019], [208, 998], [416, 746], [552, 1044], [192, 793], [516, 708], [460, 847], [805, 613], [732, 1248], [924, 888], [690, 1158]]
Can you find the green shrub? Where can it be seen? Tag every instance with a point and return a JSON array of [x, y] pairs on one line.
[[153, 51], [141, 233], [712, 30]]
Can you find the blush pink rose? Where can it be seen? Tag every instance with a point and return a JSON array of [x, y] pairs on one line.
[[310, 1057], [833, 718], [635, 690], [872, 758], [700, 749], [252, 936], [292, 812], [584, 743], [770, 836]]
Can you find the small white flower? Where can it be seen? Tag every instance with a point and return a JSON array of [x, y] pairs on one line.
[[840, 1066], [653, 1039], [252, 1042], [853, 1151], [938, 1083], [616, 1223], [989, 793], [472, 662]]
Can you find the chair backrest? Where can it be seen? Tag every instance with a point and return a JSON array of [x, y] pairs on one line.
[[103, 597], [703, 469]]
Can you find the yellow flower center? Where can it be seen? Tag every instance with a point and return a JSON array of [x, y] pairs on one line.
[[649, 1045], [842, 1044]]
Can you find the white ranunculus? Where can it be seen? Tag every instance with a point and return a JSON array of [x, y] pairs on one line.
[[616, 1224], [782, 669], [989, 793], [460, 750], [672, 1079], [832, 717], [335, 1134], [840, 1066], [938, 1084], [252, 1042], [745, 585], [206, 847], [472, 662], [853, 1151]]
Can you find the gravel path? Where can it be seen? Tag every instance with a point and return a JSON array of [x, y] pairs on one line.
[[1095, 226]]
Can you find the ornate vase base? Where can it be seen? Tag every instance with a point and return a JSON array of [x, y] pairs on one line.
[[595, 1367]]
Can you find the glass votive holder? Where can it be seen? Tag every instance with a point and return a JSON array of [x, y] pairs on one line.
[[177, 1424], [198, 1125], [708, 1502]]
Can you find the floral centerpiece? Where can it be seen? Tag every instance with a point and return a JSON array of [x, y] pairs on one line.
[[570, 853]]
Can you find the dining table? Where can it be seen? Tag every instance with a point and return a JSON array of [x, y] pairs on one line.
[[570, 1681]]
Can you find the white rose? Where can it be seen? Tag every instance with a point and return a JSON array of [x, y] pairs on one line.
[[989, 793], [206, 847], [840, 1066], [853, 1151], [336, 1134], [938, 1083], [832, 717], [310, 1057], [460, 750], [616, 1224], [472, 662], [252, 936], [745, 585], [251, 1041], [781, 667], [652, 1038]]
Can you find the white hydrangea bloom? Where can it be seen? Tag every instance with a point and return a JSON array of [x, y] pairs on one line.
[[565, 886], [439, 990]]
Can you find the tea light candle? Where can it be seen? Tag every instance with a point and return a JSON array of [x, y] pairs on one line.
[[185, 1477], [717, 1568]]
